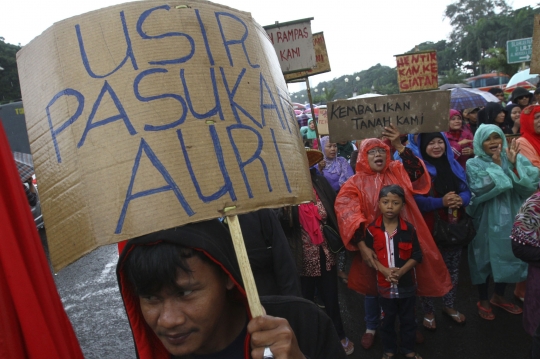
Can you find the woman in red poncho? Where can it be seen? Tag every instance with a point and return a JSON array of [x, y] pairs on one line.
[[356, 207]]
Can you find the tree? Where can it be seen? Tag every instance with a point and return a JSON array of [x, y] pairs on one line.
[[495, 60], [10, 89], [329, 94], [465, 13], [453, 76]]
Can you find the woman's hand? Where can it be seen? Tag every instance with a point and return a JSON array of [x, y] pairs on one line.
[[392, 133], [467, 151], [497, 155], [512, 151], [448, 198], [368, 255], [322, 165]]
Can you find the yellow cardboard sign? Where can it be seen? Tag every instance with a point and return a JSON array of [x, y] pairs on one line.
[[417, 71], [535, 58], [146, 116]]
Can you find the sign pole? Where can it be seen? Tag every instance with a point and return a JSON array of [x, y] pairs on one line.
[[245, 268], [312, 109]]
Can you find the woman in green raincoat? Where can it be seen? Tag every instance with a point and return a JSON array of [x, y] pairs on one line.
[[500, 180]]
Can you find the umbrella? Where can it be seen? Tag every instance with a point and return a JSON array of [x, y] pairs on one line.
[[525, 84], [25, 165], [487, 95], [452, 86], [521, 76], [461, 99]]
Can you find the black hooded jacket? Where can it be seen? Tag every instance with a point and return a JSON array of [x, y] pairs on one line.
[[314, 331]]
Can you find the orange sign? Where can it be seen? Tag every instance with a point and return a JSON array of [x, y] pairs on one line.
[[417, 71]]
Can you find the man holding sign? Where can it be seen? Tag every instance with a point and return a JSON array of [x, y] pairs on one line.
[[184, 297]]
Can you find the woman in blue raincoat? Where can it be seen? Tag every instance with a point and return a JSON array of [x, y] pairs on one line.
[[500, 180]]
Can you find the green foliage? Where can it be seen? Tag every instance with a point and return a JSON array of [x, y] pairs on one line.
[[378, 78], [495, 60], [453, 76], [10, 90]]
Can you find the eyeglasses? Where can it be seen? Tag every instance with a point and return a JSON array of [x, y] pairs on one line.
[[374, 151], [521, 98]]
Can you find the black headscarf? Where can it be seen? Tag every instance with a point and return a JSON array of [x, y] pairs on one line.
[[489, 113], [445, 181]]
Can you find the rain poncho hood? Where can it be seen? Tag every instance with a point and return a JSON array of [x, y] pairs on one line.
[[527, 126], [357, 206], [308, 133], [518, 92], [498, 192]]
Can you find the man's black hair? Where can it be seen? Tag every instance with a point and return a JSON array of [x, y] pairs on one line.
[[495, 90], [394, 189], [150, 268], [537, 91]]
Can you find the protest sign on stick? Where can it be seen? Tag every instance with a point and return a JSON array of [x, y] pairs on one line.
[[417, 71], [366, 117], [145, 116], [323, 121], [535, 58], [321, 58], [293, 43]]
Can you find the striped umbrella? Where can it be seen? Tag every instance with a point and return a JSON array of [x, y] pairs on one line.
[[25, 165], [461, 99]]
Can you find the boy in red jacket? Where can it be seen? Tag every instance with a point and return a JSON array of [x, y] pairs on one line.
[[398, 251]]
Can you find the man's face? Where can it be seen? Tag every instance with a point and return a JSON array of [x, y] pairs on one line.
[[189, 318], [500, 96]]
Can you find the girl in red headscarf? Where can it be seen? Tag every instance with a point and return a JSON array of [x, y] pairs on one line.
[[460, 138]]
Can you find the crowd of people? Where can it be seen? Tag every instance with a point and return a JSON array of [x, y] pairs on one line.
[[399, 209], [474, 176]]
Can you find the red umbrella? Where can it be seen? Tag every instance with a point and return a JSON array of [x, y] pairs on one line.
[[525, 84], [33, 323]]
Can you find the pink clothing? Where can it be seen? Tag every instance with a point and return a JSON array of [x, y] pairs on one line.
[[454, 137]]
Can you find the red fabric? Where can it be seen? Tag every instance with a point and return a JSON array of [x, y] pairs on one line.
[[309, 218], [527, 126], [357, 205], [33, 323], [379, 235]]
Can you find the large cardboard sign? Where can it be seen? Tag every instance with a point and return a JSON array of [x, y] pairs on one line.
[[417, 71], [293, 43], [321, 58], [366, 118], [535, 57], [145, 116]]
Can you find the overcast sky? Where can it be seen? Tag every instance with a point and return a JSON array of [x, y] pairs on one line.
[[358, 34]]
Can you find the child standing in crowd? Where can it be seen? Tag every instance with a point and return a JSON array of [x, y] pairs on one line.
[[398, 251]]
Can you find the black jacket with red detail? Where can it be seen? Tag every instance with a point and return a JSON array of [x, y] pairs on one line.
[[405, 247]]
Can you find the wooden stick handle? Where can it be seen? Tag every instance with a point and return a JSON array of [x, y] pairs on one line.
[[245, 268]]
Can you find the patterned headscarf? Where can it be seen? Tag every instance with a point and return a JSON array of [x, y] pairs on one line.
[[526, 228]]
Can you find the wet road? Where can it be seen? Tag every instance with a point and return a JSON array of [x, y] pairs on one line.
[[90, 296]]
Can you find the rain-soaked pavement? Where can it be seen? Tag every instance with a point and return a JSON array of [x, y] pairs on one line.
[[90, 296]]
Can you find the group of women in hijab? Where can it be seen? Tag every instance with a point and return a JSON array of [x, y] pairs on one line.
[[446, 177]]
